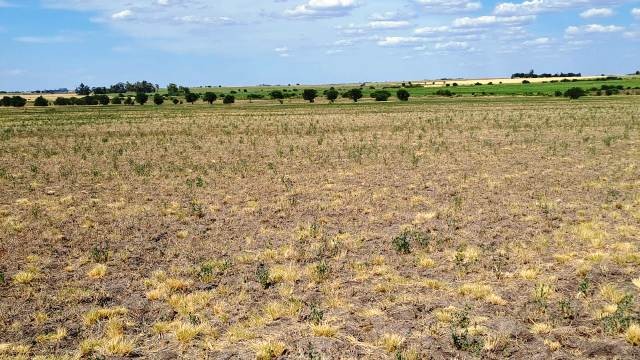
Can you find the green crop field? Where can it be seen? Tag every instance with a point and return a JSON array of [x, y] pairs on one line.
[[532, 89]]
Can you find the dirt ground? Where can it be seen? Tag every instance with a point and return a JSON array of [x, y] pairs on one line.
[[438, 229]]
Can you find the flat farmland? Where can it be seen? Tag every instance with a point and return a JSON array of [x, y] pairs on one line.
[[439, 228]]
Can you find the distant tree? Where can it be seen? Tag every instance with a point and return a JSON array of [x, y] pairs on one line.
[[310, 95], [142, 98], [254, 97], [102, 99], [354, 94], [41, 101], [276, 95], [229, 99], [83, 90], [172, 90], [116, 100], [5, 101], [526, 82], [403, 95], [444, 93], [210, 97], [118, 88], [175, 101], [575, 93], [332, 94], [183, 90], [381, 95], [158, 99], [88, 100], [191, 97], [100, 90], [558, 93], [61, 101], [128, 101], [18, 101]]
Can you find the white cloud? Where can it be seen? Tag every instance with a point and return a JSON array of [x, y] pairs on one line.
[[596, 12], [449, 6], [392, 16], [540, 6], [400, 40], [490, 20], [388, 24], [632, 35], [453, 45], [636, 12], [592, 29], [121, 15], [538, 42], [322, 8]]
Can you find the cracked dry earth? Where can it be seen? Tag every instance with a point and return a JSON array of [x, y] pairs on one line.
[[494, 228]]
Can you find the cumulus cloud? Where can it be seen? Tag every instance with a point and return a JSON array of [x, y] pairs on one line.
[[400, 40], [453, 45], [449, 6], [541, 41], [540, 6], [490, 20], [596, 12], [592, 29], [121, 15], [322, 9], [636, 12]]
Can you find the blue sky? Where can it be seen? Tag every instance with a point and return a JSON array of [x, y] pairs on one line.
[[60, 43]]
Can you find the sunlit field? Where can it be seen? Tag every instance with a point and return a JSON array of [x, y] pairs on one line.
[[438, 228]]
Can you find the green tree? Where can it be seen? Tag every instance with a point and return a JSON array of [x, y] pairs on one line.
[[575, 93], [18, 101], [276, 95], [254, 97], [128, 101], [191, 97], [229, 99], [116, 100], [142, 98], [158, 99], [210, 97], [354, 94], [83, 90], [309, 95], [103, 99], [381, 95], [332, 94], [403, 95], [172, 90], [41, 101]]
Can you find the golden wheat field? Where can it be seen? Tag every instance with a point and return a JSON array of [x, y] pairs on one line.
[[438, 229]]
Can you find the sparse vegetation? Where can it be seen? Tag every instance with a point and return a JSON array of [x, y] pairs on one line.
[[458, 227]]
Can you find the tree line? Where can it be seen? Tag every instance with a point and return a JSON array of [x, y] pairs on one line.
[[119, 88], [532, 75]]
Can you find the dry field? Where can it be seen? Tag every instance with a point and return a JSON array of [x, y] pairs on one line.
[[463, 228]]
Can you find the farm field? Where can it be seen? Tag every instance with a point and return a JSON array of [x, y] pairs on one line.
[[499, 87], [439, 228]]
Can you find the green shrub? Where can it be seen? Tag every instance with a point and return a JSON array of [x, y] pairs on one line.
[[403, 95], [41, 101], [381, 95], [229, 99], [575, 93]]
